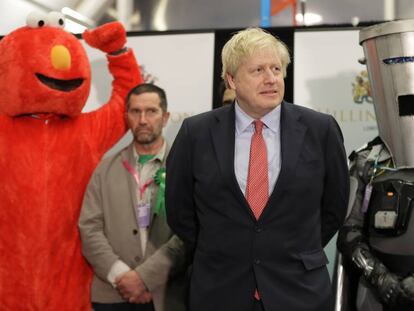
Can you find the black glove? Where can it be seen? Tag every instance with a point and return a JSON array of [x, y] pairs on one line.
[[407, 286], [386, 283]]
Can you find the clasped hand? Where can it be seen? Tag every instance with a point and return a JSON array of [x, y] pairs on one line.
[[131, 287]]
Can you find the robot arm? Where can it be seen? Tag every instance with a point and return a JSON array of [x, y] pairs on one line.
[[407, 286], [386, 283], [353, 242]]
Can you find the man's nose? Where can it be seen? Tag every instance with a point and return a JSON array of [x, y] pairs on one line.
[[142, 118], [270, 76]]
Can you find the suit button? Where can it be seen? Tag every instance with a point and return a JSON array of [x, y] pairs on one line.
[[135, 231], [257, 261], [258, 229]]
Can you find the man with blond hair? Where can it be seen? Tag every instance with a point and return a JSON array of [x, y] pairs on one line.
[[256, 189]]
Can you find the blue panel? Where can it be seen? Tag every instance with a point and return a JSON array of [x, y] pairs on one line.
[[265, 13]]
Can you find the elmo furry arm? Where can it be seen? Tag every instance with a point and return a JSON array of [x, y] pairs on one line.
[[108, 123], [111, 38]]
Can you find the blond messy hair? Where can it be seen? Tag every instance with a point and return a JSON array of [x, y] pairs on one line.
[[244, 43]]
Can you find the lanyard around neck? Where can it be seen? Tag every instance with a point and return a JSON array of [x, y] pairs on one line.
[[134, 173]]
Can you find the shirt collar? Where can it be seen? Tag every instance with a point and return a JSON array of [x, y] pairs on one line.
[[243, 120], [159, 156]]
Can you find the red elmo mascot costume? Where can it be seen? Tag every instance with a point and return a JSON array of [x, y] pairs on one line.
[[48, 150]]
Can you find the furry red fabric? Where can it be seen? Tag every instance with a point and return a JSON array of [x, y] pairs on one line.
[[48, 150]]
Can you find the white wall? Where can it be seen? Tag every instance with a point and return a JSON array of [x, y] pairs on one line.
[[181, 64]]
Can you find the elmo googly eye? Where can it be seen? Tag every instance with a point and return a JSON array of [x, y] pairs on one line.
[[36, 20], [56, 19]]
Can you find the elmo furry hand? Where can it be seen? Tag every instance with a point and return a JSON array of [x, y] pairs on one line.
[[48, 151], [108, 38]]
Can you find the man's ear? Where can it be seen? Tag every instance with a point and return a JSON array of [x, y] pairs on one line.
[[165, 118], [230, 81], [126, 114]]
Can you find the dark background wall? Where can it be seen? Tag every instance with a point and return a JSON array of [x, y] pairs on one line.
[[222, 36]]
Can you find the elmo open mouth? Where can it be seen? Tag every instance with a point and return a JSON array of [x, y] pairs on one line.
[[60, 85]]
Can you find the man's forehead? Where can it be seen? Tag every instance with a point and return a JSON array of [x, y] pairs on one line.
[[262, 60], [147, 99], [146, 95], [268, 51]]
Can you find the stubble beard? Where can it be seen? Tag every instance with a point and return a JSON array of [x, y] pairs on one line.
[[146, 138]]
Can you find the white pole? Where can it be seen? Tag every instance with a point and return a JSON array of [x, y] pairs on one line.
[[389, 10], [93, 9], [125, 9]]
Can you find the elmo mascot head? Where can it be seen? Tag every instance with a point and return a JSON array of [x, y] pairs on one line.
[[43, 69]]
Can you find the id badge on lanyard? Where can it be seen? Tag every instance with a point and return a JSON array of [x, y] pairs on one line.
[[143, 212], [142, 209]]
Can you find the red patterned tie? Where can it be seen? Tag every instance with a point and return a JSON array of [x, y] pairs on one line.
[[257, 189]]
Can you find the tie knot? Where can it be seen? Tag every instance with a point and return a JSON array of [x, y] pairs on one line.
[[258, 125]]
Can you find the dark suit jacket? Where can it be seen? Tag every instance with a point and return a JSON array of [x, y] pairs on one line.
[[281, 253]]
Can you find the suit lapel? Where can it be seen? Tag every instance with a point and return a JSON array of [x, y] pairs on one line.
[[291, 140], [128, 155], [223, 136]]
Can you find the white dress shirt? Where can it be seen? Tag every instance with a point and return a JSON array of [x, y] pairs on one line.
[[271, 134]]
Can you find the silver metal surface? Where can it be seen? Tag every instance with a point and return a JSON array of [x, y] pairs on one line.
[[389, 53], [388, 28]]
